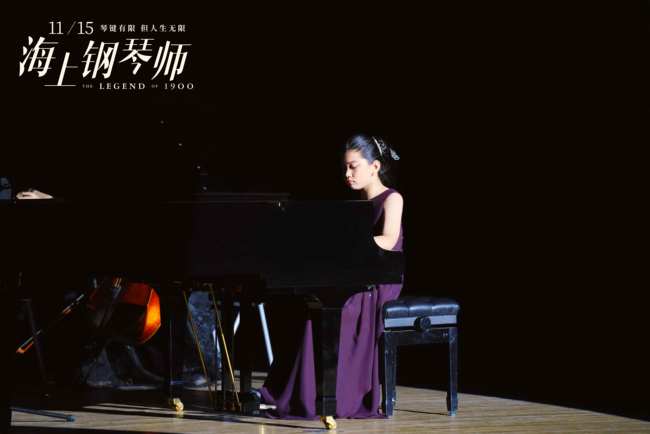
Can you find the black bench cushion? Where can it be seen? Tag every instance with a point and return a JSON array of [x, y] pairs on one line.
[[420, 306], [419, 312]]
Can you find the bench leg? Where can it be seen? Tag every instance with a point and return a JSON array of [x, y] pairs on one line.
[[389, 364], [452, 393]]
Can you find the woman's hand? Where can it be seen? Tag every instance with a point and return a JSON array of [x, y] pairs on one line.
[[33, 194]]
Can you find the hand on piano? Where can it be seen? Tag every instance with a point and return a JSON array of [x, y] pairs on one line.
[[33, 194]]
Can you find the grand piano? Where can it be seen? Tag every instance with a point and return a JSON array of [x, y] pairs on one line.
[[322, 251]]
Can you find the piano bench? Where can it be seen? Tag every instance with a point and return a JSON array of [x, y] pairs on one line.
[[418, 321]]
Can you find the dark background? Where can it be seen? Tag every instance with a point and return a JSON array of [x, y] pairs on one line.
[[514, 124]]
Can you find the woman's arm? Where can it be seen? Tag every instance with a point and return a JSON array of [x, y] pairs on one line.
[[393, 206]]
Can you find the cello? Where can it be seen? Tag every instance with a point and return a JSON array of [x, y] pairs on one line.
[[126, 311]]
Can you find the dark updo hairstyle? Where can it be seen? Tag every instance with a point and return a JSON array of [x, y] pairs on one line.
[[374, 148]]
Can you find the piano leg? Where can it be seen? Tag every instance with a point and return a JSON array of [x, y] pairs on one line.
[[250, 400], [326, 323], [245, 352], [227, 353], [174, 317]]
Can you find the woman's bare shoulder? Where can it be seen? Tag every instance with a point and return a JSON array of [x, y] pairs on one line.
[[394, 197]]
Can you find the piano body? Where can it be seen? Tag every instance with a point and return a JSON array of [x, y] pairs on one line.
[[322, 251]]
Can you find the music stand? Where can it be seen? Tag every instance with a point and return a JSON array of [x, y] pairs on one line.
[[41, 366]]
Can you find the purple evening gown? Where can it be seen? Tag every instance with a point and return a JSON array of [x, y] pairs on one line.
[[291, 384]]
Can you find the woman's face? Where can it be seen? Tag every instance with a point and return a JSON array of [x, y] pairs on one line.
[[359, 173]]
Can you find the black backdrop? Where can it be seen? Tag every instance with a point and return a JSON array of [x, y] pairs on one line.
[[508, 119]]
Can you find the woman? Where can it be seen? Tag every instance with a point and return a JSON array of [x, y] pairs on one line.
[[291, 384]]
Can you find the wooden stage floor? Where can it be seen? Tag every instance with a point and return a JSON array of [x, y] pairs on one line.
[[418, 411]]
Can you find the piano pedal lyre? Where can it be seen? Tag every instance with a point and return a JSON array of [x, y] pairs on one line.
[[328, 421]]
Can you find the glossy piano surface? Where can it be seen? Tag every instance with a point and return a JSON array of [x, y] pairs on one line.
[[285, 243]]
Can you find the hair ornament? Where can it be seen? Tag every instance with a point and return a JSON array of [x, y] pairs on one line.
[[383, 148], [379, 144]]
